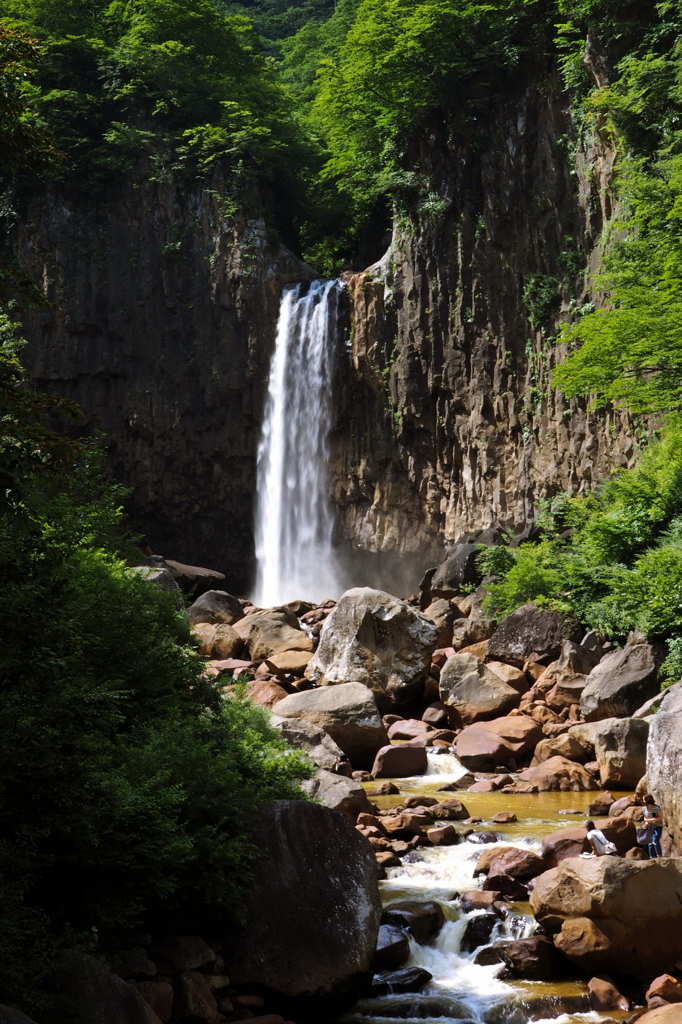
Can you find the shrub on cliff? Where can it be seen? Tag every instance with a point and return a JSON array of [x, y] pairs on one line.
[[126, 780]]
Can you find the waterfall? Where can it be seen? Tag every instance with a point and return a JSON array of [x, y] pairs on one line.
[[294, 517]]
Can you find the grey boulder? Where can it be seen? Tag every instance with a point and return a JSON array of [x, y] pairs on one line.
[[620, 750], [338, 793], [318, 744], [531, 630], [348, 713], [312, 914], [470, 688], [664, 762], [458, 568], [96, 995], [215, 606], [621, 682], [373, 638]]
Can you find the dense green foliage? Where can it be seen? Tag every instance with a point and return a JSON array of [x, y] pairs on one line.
[[127, 779], [621, 568]]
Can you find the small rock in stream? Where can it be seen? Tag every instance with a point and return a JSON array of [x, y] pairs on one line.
[[484, 837], [410, 979], [393, 948], [478, 932], [422, 919]]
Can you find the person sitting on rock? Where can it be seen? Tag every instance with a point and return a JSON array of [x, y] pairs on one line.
[[601, 846], [654, 821]]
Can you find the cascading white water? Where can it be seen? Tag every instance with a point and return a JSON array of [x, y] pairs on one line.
[[294, 518]]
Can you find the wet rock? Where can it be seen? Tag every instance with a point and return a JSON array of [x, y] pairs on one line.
[[393, 948], [507, 886], [620, 750], [664, 762], [338, 793], [93, 992], [348, 713], [312, 913], [409, 979], [513, 861], [318, 744], [487, 956], [559, 775], [422, 920], [373, 638], [605, 996], [481, 838], [474, 691], [664, 987], [529, 630], [395, 762], [621, 682], [193, 999], [615, 915], [534, 958], [449, 810], [159, 995], [179, 953], [383, 789], [478, 932]]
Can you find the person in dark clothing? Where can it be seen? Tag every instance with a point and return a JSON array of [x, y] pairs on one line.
[[653, 820]]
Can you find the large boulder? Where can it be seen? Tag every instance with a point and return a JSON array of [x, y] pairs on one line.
[[485, 745], [378, 640], [443, 614], [664, 762], [271, 632], [614, 914], [530, 630], [512, 861], [563, 745], [572, 841], [458, 569], [556, 774], [400, 761], [620, 750], [621, 682], [476, 693], [312, 914], [215, 606], [318, 744], [348, 713], [671, 1014], [339, 793], [97, 996]]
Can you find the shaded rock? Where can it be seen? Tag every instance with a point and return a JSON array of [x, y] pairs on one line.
[[348, 713], [393, 948], [664, 762], [473, 635], [615, 915], [215, 606], [529, 630], [478, 932], [620, 750], [422, 920], [512, 861], [559, 775], [337, 792], [621, 682], [10, 1016], [313, 911], [436, 716], [133, 964], [409, 979], [601, 805], [443, 835], [226, 642], [179, 953], [95, 994], [373, 638], [193, 999], [159, 995], [160, 577], [458, 569], [507, 886], [650, 707], [394, 762], [664, 987], [289, 662], [534, 958], [443, 614], [271, 632], [318, 744], [605, 996], [474, 691]]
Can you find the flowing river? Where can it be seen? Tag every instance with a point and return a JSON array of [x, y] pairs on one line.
[[462, 990]]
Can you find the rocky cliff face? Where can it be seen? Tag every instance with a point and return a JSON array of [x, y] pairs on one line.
[[446, 421], [163, 323]]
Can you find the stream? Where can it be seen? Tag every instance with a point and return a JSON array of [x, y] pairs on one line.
[[460, 989]]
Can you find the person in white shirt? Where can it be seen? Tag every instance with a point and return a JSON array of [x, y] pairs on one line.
[[601, 847]]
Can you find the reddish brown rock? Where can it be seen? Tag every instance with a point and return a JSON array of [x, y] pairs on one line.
[[450, 810], [159, 995], [510, 860], [436, 716], [479, 899], [193, 998], [266, 693], [534, 958], [504, 818], [559, 775], [445, 835], [671, 1014], [388, 859], [508, 886], [399, 761], [563, 745], [511, 675], [605, 996], [665, 987], [475, 692], [409, 729], [481, 750], [571, 842]]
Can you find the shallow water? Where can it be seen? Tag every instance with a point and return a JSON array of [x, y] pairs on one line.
[[460, 989]]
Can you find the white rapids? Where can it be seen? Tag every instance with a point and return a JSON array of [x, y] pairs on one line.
[[294, 518]]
